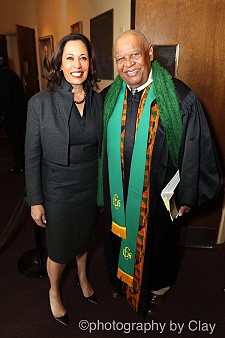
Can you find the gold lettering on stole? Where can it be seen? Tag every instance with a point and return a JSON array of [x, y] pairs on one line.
[[126, 253], [116, 202]]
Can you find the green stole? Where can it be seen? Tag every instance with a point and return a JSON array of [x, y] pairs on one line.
[[125, 223]]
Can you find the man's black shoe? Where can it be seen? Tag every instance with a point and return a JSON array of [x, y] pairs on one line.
[[119, 289], [155, 303]]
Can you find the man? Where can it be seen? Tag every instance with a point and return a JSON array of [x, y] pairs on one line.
[[154, 126], [46, 62], [13, 112]]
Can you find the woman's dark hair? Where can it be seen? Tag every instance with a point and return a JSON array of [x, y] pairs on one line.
[[55, 77]]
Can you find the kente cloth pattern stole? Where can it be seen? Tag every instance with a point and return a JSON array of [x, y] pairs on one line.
[[129, 222], [133, 293], [125, 219]]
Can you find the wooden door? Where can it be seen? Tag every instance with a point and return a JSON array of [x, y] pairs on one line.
[[27, 60], [198, 28]]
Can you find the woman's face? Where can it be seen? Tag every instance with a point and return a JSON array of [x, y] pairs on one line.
[[75, 62]]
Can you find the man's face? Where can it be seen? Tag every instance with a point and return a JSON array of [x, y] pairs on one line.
[[133, 59]]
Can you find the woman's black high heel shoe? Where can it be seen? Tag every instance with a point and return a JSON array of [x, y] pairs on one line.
[[63, 320], [92, 298]]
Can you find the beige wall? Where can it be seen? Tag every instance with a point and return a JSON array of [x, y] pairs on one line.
[[54, 17], [21, 12], [88, 9]]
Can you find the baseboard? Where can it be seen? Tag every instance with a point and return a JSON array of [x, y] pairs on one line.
[[201, 237]]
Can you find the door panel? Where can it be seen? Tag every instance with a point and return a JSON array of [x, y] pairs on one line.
[[198, 27], [27, 60], [3, 48]]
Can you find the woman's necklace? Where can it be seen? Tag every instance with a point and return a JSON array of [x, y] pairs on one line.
[[82, 101]]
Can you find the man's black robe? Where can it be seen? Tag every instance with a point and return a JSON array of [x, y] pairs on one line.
[[200, 181]]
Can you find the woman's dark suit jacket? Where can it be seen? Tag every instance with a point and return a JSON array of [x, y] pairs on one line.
[[47, 133]]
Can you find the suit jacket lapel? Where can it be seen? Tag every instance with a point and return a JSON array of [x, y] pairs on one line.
[[95, 107], [64, 102], [64, 99]]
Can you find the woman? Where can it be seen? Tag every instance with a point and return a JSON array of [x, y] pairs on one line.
[[64, 129]]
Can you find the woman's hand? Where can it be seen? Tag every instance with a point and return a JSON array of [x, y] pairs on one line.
[[38, 214]]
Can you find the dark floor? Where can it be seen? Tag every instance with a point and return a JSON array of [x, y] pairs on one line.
[[195, 306]]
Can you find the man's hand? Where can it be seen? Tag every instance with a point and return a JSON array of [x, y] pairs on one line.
[[183, 209]]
